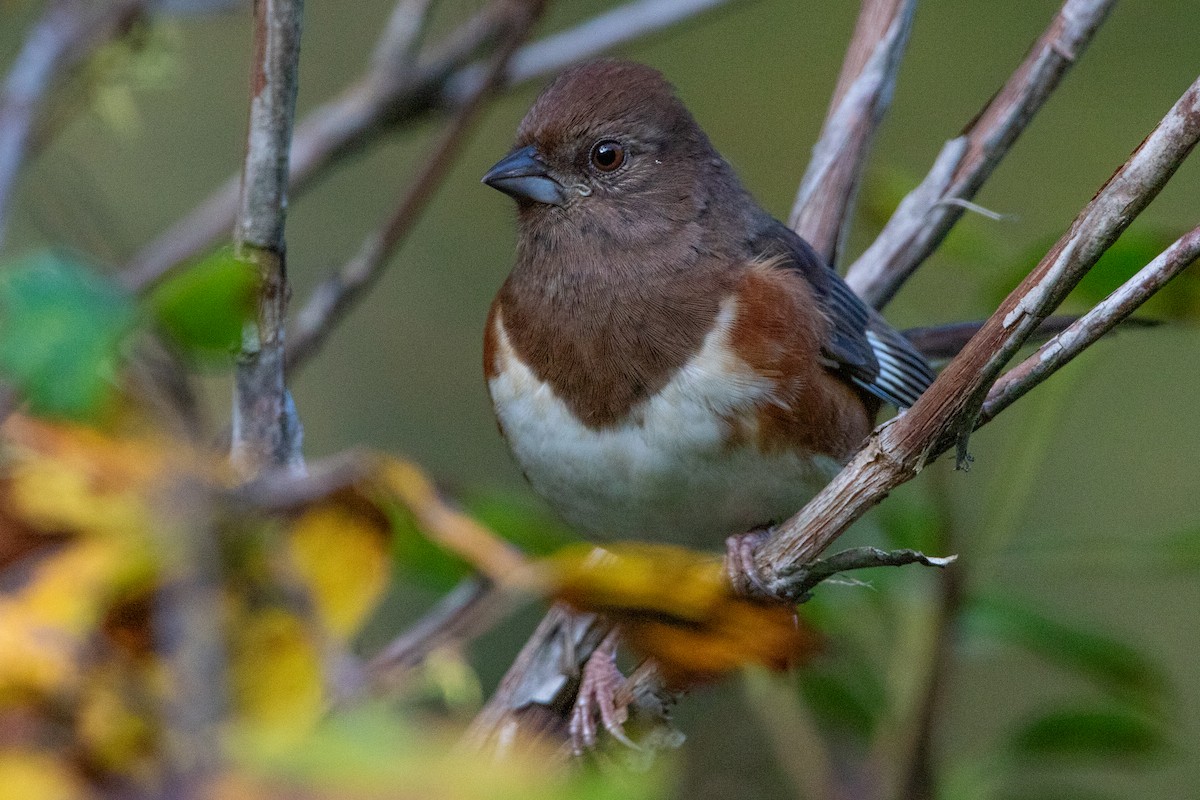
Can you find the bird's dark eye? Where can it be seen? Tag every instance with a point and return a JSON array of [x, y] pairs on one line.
[[607, 155]]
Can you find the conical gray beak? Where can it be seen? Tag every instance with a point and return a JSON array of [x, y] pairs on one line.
[[523, 176]]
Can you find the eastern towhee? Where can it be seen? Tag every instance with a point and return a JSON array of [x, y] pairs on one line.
[[666, 359]]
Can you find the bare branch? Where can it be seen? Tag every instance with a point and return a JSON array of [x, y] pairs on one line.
[[66, 35], [589, 39], [381, 101], [265, 425], [465, 612], [929, 211], [362, 112], [1086, 330], [396, 51], [948, 410], [806, 579], [334, 297], [824, 203]]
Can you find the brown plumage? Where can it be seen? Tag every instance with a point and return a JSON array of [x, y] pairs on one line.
[[664, 349]]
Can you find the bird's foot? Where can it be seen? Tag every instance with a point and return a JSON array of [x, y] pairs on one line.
[[740, 567], [599, 686]]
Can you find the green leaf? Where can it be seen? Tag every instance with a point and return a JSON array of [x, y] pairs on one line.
[[1090, 733], [61, 327], [204, 309], [1113, 665]]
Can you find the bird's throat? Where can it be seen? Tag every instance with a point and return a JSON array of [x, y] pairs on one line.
[[607, 335]]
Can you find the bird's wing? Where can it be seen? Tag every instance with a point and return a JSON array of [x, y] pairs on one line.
[[861, 344]]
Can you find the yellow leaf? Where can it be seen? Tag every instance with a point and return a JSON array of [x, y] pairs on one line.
[[45, 624], [676, 606], [450, 529], [276, 676], [340, 554], [37, 776], [64, 495], [115, 737]]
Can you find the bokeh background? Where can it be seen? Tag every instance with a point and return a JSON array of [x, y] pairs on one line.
[[1078, 499]]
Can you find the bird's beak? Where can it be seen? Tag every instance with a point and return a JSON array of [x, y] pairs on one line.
[[522, 175]]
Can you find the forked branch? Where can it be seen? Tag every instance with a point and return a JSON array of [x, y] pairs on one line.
[[949, 410], [1085, 331], [927, 214], [952, 407]]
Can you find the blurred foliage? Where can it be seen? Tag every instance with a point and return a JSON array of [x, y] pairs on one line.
[[678, 607], [1182, 550], [133, 564], [1090, 733], [860, 708], [203, 309], [1112, 664], [61, 328], [97, 531], [145, 58]]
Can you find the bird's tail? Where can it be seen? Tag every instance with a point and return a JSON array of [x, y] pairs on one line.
[[940, 343]]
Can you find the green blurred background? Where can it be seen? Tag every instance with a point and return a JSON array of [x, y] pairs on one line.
[[1077, 495]]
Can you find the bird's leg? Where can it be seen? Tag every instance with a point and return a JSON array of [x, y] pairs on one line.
[[598, 688], [739, 563]]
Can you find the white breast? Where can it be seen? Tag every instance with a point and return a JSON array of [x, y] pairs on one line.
[[667, 473]]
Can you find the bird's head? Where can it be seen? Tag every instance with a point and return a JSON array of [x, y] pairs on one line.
[[610, 148]]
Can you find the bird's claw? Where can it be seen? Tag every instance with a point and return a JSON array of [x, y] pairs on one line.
[[599, 685], [740, 566]]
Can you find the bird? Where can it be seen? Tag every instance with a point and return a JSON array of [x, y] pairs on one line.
[[667, 360]]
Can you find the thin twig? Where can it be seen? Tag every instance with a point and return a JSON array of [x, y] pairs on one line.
[[925, 216], [949, 409], [800, 750], [265, 425], [379, 102], [364, 110], [810, 575], [463, 613], [396, 51], [824, 203], [334, 297], [1084, 332], [612, 28], [66, 35]]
